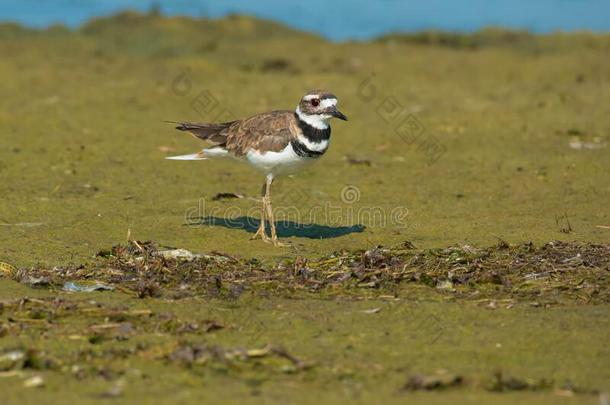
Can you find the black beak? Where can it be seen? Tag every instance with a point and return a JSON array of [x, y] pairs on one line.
[[338, 114]]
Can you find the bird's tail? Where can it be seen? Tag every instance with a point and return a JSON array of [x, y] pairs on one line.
[[215, 133], [192, 156], [217, 151]]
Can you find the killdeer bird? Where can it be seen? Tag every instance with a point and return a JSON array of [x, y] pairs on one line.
[[275, 142]]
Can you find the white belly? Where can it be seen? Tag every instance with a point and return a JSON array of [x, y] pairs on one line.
[[285, 161]]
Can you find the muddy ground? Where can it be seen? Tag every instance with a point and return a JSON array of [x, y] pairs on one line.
[[452, 246], [506, 323]]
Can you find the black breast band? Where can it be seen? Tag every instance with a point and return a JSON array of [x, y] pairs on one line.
[[303, 151], [312, 134]]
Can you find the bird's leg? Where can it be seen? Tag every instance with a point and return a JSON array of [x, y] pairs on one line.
[[261, 227], [270, 216]]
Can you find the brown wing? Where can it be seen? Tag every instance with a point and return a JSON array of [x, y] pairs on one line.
[[270, 131]]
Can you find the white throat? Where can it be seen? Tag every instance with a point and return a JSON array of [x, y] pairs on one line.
[[316, 121]]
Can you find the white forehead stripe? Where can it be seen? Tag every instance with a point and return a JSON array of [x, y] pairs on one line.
[[328, 101]]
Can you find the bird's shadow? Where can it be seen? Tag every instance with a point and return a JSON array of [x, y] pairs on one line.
[[284, 228]]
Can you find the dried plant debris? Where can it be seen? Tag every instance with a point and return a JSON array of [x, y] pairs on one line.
[[227, 196], [107, 337], [190, 355], [111, 333], [97, 322], [439, 380], [498, 382], [357, 160], [502, 383], [32, 359], [546, 274], [7, 269]]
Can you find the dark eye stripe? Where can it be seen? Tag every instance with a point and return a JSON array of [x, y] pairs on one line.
[[315, 102]]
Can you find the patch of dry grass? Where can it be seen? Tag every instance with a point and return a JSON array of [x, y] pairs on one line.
[[552, 272]]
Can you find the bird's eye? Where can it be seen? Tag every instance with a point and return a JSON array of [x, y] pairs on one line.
[[315, 102]]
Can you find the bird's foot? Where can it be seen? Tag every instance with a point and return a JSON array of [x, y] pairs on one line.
[[278, 243], [263, 237], [260, 233]]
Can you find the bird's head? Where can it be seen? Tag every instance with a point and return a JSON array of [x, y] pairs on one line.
[[318, 107]]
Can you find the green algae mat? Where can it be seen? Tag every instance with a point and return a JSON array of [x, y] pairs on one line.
[[451, 247]]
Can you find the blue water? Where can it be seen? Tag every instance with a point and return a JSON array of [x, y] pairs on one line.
[[341, 19]]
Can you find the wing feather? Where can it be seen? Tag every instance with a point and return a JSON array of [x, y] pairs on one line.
[[270, 131]]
